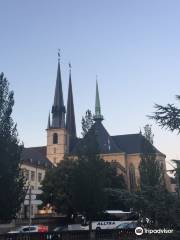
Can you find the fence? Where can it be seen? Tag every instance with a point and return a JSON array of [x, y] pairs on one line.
[[85, 235]]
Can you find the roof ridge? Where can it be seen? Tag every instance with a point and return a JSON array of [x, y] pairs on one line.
[[36, 147], [126, 134]]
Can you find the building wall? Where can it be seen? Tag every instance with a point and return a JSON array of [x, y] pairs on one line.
[[127, 160], [34, 176], [133, 160], [116, 157], [56, 151]]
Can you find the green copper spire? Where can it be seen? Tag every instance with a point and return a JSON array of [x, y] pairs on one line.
[[97, 115]]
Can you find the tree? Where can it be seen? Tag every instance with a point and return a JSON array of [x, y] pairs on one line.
[[11, 176], [151, 169], [89, 179], [167, 116], [56, 187], [87, 122], [115, 180], [153, 201], [148, 134]]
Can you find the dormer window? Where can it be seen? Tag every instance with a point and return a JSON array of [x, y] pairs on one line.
[[55, 138]]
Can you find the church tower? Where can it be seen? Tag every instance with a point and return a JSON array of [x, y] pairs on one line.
[[56, 131], [70, 116]]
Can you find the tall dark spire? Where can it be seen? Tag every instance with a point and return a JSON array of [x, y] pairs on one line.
[[49, 122], [58, 108], [97, 115], [70, 117]]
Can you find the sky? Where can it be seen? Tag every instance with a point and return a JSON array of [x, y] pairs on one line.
[[132, 45]]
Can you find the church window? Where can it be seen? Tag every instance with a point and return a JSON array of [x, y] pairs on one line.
[[55, 138], [132, 177]]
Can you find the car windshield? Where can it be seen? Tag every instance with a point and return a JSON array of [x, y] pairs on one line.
[[122, 225]]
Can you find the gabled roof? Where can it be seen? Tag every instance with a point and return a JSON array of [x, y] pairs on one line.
[[35, 156], [106, 144], [132, 143]]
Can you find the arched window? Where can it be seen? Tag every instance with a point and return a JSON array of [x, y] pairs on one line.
[[132, 177], [55, 138]]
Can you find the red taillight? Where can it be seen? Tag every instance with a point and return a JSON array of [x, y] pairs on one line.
[[42, 228]]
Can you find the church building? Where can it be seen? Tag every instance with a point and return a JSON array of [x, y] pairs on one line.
[[124, 150]]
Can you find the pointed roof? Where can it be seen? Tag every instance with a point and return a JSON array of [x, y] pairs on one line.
[[49, 122], [58, 108], [70, 117], [58, 97], [132, 143], [97, 115], [106, 144]]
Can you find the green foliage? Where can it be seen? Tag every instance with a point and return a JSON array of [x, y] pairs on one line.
[[88, 186], [11, 177], [167, 116], [177, 178], [87, 122], [56, 187], [157, 204], [89, 179], [120, 199], [113, 177], [151, 169], [79, 185], [148, 134]]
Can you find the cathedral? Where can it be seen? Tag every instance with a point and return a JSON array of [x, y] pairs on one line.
[[123, 150]]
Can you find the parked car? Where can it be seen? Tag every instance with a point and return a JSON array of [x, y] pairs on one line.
[[32, 228]]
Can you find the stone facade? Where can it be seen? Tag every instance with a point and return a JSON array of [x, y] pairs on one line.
[[57, 144]]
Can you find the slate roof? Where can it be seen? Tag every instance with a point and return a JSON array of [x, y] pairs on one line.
[[132, 143], [106, 144], [129, 143], [35, 156]]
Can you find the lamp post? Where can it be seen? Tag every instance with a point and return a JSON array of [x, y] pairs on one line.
[[30, 193]]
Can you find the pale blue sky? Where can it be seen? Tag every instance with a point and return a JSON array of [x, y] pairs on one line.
[[133, 46]]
